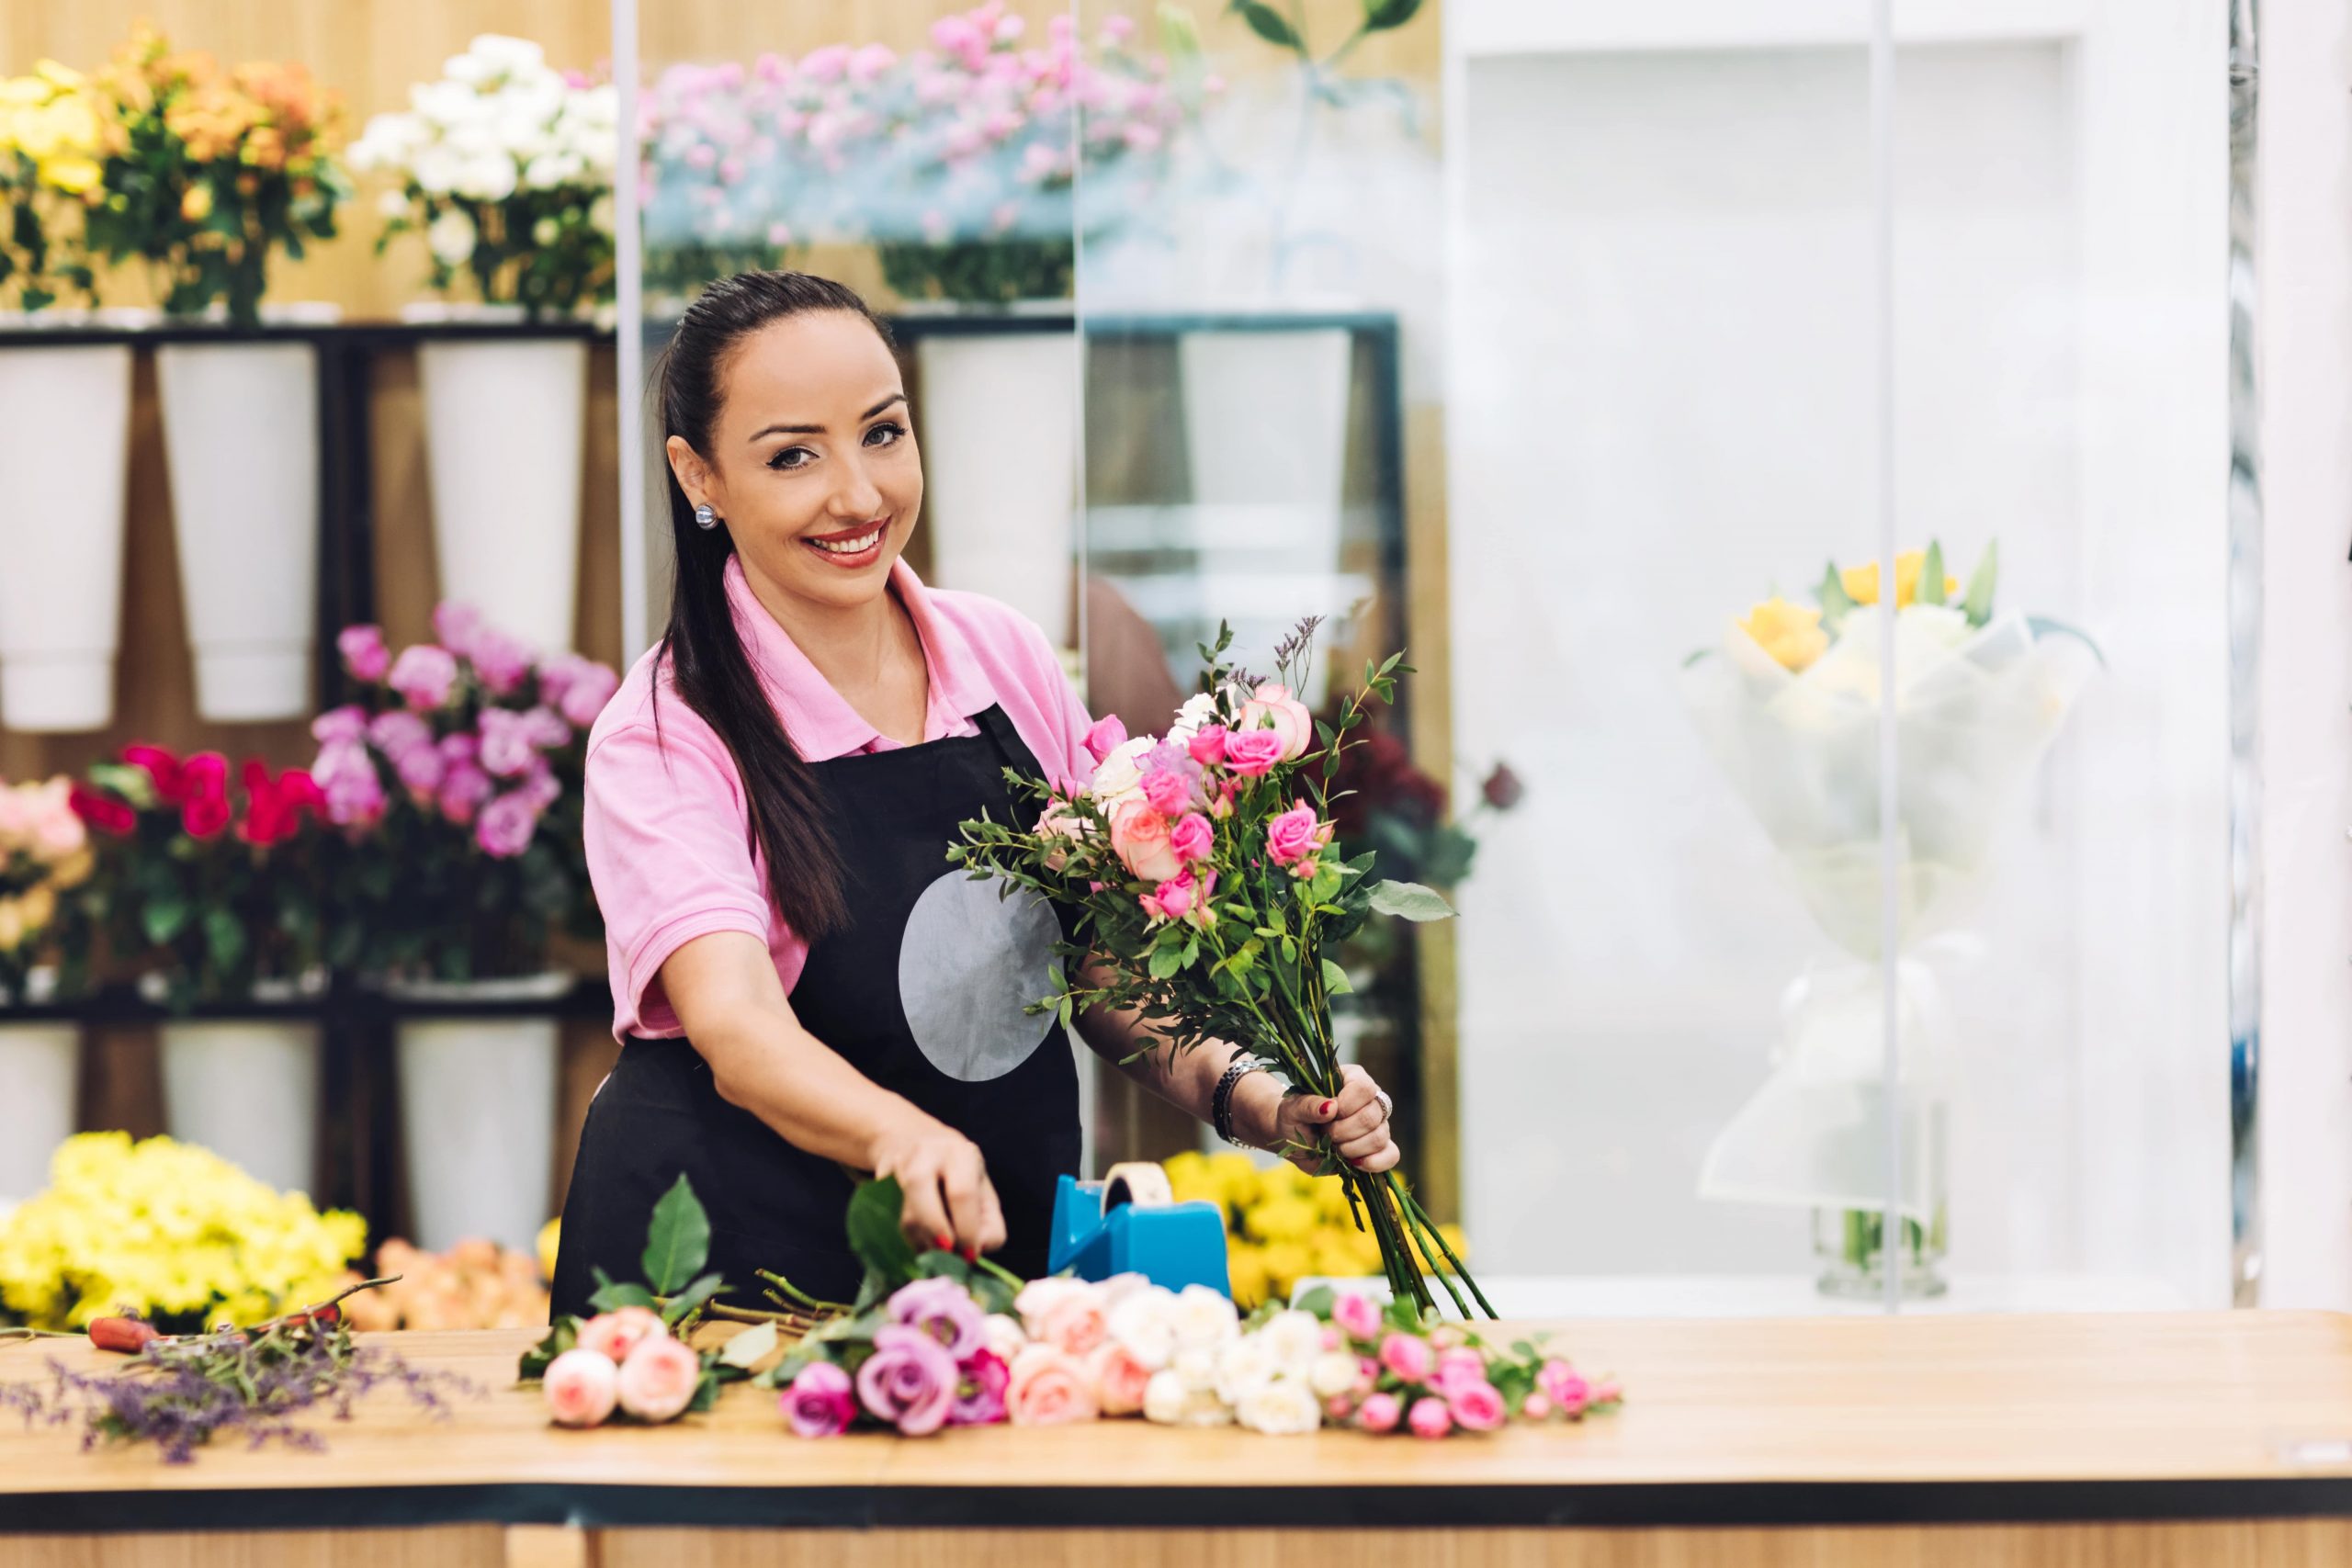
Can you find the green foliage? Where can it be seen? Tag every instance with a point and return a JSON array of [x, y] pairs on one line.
[[678, 1241]]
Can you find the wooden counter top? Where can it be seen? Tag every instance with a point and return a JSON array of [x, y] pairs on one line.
[[2144, 1416]]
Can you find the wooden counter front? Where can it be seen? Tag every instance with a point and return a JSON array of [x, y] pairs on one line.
[[2086, 1440]]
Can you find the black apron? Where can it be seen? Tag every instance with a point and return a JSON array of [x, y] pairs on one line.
[[922, 990]]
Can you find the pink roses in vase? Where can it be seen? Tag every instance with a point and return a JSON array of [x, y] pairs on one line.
[[460, 763]]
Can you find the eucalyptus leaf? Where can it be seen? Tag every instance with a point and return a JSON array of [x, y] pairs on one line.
[[1410, 901], [677, 1243]]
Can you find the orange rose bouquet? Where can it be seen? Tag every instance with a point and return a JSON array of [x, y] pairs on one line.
[[209, 170]]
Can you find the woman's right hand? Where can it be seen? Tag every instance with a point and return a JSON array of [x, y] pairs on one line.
[[949, 1201]]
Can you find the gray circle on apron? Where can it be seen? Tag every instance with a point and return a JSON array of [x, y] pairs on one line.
[[969, 965]]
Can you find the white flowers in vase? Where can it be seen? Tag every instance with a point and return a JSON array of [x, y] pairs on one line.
[[505, 166]]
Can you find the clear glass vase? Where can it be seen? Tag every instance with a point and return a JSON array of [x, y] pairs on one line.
[[1849, 1245]]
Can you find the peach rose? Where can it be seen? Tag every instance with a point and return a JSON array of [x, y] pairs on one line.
[[580, 1386], [1119, 1379], [1272, 707], [1139, 838], [1074, 1323], [1049, 1388], [614, 1334], [658, 1380]]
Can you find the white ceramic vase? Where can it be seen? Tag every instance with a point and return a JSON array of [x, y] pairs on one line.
[[504, 427], [478, 1113], [248, 1091], [1000, 449], [65, 439], [40, 1064], [241, 432]]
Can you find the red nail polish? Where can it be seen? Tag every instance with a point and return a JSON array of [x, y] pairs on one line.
[[945, 1242], [972, 1252], [1327, 1108]]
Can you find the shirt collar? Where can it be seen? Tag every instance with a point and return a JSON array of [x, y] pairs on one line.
[[821, 723]]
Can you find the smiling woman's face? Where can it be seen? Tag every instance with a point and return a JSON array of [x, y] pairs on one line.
[[812, 461]]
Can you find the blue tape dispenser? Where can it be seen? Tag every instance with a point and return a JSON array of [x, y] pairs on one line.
[[1129, 1223]]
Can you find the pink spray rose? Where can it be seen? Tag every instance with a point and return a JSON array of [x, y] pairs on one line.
[[456, 624], [1192, 838], [909, 1381], [657, 1381], [1139, 838], [1272, 707], [1106, 737], [1458, 1368], [1207, 745], [421, 768], [1293, 836], [1119, 1379], [364, 653], [581, 1387], [1430, 1418], [819, 1404], [613, 1335], [348, 722], [502, 661], [943, 1309], [1535, 1408], [1358, 1315], [506, 748], [1379, 1413], [504, 827], [345, 773], [980, 1390], [424, 676], [587, 695], [1407, 1356], [1475, 1406], [1253, 752], [1049, 1388], [544, 728], [398, 733], [464, 786], [1174, 899], [1558, 1382], [1170, 793]]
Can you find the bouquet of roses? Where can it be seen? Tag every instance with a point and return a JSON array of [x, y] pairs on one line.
[[44, 852], [1202, 868], [459, 766]]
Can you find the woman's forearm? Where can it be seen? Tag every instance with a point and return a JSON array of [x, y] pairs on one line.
[[1186, 1079], [773, 1068]]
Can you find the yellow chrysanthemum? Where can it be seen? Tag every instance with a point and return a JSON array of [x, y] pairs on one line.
[[1792, 634], [1861, 581]]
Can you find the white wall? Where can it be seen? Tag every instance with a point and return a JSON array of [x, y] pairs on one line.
[[2305, 303]]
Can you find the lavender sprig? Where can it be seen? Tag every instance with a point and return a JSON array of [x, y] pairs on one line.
[[180, 1393]]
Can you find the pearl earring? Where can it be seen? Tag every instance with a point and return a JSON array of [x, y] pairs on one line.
[[705, 517]]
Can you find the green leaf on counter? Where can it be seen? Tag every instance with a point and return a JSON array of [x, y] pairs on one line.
[[747, 1349]]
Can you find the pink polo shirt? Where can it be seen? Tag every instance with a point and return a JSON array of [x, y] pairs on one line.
[[670, 850]]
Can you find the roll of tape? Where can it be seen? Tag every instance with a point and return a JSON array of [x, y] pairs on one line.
[[1136, 1181]]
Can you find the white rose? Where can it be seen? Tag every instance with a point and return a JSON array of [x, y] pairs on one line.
[[1119, 1287], [1281, 1408], [1197, 1366], [545, 172], [1334, 1372], [1198, 710], [1243, 1367], [601, 214], [599, 105], [446, 103], [1164, 1398], [489, 177], [506, 55], [545, 231], [1292, 1339], [1004, 1336], [393, 204], [451, 238], [1039, 1298], [1204, 1317], [1143, 1323], [435, 170], [1122, 771]]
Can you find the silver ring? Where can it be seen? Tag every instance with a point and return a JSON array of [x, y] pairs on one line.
[[1388, 1106]]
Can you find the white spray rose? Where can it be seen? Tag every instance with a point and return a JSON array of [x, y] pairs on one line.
[[1170, 1402], [1121, 771], [1334, 1372], [1244, 1366], [1004, 1335], [1144, 1324], [1204, 1317], [1197, 1365], [451, 238], [1281, 1408], [507, 55], [489, 177], [1292, 1339], [1193, 717]]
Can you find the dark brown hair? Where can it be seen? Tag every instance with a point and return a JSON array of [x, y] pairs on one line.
[[705, 653]]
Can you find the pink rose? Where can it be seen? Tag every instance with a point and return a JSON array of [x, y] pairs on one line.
[[557, 675], [1172, 900], [506, 748], [1107, 736], [980, 1390], [1192, 838], [658, 1380], [1253, 753], [504, 827], [346, 774], [399, 732], [1170, 793], [580, 1387], [502, 661], [1294, 836], [1407, 1356], [1475, 1406], [1139, 838], [1430, 1418], [1049, 1388], [1457, 1369], [1358, 1315], [1271, 708], [541, 788], [455, 625], [348, 722], [463, 789], [1119, 1379], [364, 653], [1379, 1413], [424, 676], [613, 1335], [544, 728], [1074, 1322], [818, 1404], [1535, 1408], [421, 768], [909, 1381], [1558, 1382], [1207, 745], [585, 698]]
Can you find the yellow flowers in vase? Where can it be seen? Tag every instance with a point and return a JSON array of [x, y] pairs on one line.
[[168, 1230], [51, 137]]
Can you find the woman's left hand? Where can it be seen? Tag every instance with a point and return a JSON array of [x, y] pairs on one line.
[[1356, 1122]]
